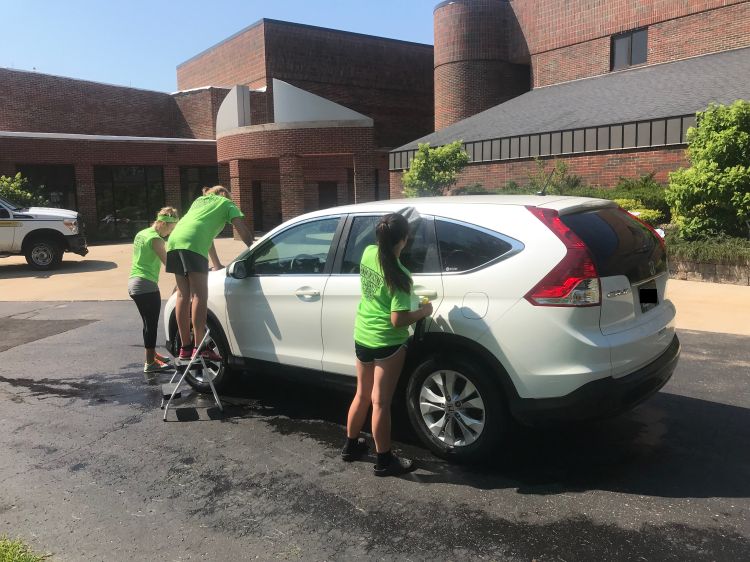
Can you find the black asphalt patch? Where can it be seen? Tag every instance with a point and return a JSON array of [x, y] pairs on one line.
[[18, 331]]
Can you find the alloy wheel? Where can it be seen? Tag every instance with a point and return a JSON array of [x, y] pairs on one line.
[[452, 408]]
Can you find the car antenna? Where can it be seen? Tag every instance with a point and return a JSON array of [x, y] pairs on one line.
[[546, 183]]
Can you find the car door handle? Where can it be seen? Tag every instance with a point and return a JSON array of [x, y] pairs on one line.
[[432, 295], [307, 293]]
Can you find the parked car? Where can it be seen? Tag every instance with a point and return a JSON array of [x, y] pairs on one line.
[[545, 308], [41, 234]]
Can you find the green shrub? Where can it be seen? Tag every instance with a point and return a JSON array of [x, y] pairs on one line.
[[722, 249], [713, 195], [18, 190], [434, 170], [555, 182], [17, 551], [471, 189]]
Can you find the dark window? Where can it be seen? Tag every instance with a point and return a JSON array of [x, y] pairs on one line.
[[4, 213], [419, 255], [127, 199], [463, 248], [192, 181], [328, 195], [57, 183], [620, 245], [300, 250], [257, 205], [629, 49]]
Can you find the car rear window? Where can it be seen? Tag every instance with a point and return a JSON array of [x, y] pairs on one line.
[[620, 245]]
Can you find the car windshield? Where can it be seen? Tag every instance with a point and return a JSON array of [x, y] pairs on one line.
[[9, 204]]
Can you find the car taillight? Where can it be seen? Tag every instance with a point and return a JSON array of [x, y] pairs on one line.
[[572, 282], [651, 229]]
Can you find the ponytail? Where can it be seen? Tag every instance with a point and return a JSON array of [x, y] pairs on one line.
[[391, 230]]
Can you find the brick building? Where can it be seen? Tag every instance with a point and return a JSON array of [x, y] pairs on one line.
[[609, 87], [292, 117]]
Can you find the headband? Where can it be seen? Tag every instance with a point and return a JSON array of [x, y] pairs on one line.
[[166, 218]]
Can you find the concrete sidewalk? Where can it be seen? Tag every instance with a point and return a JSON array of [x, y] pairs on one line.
[[103, 276]]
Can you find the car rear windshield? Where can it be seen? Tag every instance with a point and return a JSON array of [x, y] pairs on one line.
[[620, 245]]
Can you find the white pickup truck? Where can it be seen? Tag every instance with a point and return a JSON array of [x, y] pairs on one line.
[[41, 234]]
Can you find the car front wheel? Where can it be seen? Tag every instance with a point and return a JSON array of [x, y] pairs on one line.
[[456, 408], [217, 371], [43, 254]]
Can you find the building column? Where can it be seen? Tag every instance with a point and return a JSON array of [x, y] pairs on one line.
[[172, 188], [241, 186], [86, 195], [364, 177], [224, 178], [292, 186]]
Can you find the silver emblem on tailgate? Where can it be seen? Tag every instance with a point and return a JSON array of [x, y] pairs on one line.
[[618, 293]]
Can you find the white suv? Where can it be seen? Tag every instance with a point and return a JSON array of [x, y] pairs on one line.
[[545, 308]]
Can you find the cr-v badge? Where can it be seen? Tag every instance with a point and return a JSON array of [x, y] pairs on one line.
[[618, 293]]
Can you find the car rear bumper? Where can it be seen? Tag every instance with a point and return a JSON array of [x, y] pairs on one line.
[[604, 397], [77, 244]]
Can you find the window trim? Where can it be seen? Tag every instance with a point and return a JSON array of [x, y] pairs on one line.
[[516, 246], [339, 260], [250, 252]]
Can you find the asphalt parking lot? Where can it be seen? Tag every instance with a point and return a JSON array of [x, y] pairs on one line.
[[88, 470]]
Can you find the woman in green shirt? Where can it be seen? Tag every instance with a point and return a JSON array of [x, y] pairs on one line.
[[149, 254], [188, 250], [381, 331]]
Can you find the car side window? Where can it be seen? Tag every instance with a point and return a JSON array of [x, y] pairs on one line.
[[300, 250], [463, 248], [419, 256], [4, 214]]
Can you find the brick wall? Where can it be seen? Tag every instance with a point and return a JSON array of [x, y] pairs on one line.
[[199, 109], [574, 42], [389, 81], [257, 144], [472, 54], [603, 169], [240, 59], [33, 102]]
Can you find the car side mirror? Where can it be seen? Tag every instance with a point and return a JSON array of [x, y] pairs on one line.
[[237, 270]]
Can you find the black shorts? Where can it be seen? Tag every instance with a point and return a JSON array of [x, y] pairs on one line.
[[369, 354], [182, 262]]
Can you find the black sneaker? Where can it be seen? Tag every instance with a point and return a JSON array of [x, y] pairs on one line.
[[396, 467], [356, 452]]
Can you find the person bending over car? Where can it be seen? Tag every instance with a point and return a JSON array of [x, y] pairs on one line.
[[188, 250], [380, 334]]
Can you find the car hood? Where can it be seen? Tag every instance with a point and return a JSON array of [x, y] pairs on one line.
[[49, 213]]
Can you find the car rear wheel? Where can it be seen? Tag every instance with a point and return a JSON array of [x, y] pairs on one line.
[[218, 371], [43, 254], [456, 408]]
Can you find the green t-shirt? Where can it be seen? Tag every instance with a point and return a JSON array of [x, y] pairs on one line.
[[373, 326], [203, 222], [146, 262]]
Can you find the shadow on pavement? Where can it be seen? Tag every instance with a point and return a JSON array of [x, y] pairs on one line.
[[671, 446], [21, 271]]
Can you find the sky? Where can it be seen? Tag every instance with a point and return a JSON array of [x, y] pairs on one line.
[[139, 43]]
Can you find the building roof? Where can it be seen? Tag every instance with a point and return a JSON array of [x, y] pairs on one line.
[[661, 90]]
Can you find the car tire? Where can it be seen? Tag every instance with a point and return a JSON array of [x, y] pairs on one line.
[[471, 425], [43, 254], [220, 371]]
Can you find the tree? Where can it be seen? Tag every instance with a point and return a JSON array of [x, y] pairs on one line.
[[433, 170], [712, 196], [18, 190]]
